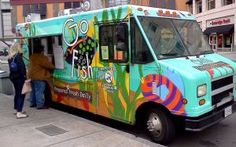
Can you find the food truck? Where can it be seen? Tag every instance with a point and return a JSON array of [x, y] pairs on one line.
[[137, 65]]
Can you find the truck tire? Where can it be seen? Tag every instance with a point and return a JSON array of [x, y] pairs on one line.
[[159, 126]]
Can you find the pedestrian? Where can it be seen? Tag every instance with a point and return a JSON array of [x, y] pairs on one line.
[[17, 76], [39, 73]]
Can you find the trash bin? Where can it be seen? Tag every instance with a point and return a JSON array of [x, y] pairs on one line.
[[6, 86]]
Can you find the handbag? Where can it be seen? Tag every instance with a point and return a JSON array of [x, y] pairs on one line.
[[26, 87]]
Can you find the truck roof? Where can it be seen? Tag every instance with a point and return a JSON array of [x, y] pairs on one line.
[[51, 25]]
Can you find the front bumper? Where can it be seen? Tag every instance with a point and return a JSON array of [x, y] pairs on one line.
[[209, 119]]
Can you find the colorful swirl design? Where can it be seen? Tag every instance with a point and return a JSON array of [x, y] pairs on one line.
[[172, 101]]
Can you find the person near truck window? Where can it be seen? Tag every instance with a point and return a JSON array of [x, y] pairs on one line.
[[39, 73], [121, 46], [17, 77]]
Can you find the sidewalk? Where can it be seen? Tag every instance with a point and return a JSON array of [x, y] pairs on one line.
[[54, 128], [230, 55]]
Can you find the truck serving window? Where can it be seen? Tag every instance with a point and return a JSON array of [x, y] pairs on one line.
[[114, 42], [52, 49], [140, 51], [171, 38]]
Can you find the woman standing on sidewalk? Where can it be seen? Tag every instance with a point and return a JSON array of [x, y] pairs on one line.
[[17, 77]]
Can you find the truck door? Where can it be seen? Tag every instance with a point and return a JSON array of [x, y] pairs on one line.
[[113, 70]]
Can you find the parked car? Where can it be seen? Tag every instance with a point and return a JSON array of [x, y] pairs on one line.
[[4, 51]]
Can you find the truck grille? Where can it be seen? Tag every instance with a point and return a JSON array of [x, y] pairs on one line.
[[221, 89]]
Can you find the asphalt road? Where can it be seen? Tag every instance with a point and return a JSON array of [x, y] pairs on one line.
[[222, 134]]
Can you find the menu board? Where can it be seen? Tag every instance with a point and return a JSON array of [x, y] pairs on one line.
[[58, 57], [58, 54]]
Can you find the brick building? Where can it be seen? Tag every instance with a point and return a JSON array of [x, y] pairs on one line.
[[41, 9], [217, 18], [5, 19]]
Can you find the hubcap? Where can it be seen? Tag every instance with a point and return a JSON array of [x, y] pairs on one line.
[[154, 124]]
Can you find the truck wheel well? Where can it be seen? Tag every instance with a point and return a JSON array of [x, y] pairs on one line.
[[143, 109]]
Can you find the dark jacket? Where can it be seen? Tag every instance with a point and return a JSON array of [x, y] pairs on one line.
[[21, 70]]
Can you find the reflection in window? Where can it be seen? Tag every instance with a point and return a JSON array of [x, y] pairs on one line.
[[114, 42], [191, 36], [172, 38], [140, 51], [163, 37]]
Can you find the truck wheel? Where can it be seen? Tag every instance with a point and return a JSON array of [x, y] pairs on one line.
[[159, 126]]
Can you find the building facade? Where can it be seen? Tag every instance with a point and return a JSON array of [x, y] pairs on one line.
[[217, 18], [5, 17], [24, 10], [169, 4]]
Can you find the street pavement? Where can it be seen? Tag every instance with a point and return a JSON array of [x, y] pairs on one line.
[[56, 128], [222, 134], [230, 55]]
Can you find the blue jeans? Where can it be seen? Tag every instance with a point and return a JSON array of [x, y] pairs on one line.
[[18, 98], [37, 94]]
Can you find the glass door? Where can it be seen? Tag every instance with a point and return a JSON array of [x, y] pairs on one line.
[[220, 42], [213, 41]]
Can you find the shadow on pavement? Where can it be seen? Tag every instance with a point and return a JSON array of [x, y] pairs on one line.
[[130, 129]]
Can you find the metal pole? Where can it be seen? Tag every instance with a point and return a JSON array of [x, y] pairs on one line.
[[1, 22]]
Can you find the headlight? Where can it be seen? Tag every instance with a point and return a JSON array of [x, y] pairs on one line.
[[201, 90]]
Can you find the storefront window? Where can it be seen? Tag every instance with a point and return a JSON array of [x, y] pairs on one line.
[[211, 4], [220, 41], [228, 40], [199, 6], [227, 2], [212, 41], [69, 5]]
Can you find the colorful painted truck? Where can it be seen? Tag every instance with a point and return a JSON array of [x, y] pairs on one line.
[[136, 64]]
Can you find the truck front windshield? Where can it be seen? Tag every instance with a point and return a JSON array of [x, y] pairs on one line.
[[171, 38]]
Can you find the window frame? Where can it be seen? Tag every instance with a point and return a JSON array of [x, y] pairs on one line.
[[224, 2], [198, 5], [71, 5], [209, 4], [35, 8], [133, 43], [113, 43]]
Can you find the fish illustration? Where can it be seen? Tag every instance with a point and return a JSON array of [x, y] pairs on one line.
[[86, 47]]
